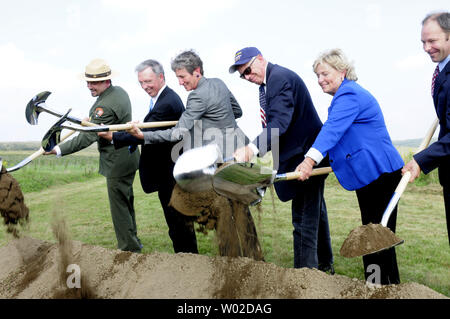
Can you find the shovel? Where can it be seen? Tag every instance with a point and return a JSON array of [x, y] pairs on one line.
[[247, 182], [52, 137], [37, 105], [363, 240], [41, 150]]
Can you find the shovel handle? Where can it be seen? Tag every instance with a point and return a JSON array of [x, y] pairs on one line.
[[405, 179], [295, 175], [124, 127], [121, 127], [427, 138]]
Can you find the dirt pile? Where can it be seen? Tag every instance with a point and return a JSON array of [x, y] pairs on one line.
[[367, 239], [30, 268], [12, 206]]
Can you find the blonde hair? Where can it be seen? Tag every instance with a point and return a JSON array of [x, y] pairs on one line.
[[337, 60]]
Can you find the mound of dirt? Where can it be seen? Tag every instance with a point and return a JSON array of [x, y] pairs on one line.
[[31, 268]]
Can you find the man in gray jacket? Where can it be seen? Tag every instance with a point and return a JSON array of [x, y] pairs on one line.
[[210, 117]]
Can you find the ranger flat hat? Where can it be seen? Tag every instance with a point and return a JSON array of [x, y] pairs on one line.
[[98, 70]]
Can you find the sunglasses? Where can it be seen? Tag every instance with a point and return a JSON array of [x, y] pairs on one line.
[[247, 70]]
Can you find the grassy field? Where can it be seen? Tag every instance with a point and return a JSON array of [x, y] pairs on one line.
[[71, 187]]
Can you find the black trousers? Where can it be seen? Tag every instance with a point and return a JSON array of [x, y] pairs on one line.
[[181, 227], [373, 200]]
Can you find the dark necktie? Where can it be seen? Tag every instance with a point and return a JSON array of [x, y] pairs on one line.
[[262, 104], [435, 74]]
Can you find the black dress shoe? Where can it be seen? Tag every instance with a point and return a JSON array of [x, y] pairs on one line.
[[329, 269]]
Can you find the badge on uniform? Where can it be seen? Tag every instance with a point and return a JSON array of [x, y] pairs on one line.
[[98, 112]]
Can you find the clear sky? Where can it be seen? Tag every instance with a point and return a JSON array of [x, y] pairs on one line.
[[45, 45]]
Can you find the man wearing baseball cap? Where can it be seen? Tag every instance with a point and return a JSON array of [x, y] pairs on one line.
[[290, 124], [119, 166]]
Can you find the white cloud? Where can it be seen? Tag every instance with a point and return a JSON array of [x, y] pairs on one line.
[[20, 71], [412, 62], [184, 17], [373, 16]]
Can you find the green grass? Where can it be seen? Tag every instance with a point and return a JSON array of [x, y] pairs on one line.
[[83, 201], [46, 171]]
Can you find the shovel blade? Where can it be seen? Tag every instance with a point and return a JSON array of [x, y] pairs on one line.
[[53, 135], [244, 182], [32, 110], [194, 169]]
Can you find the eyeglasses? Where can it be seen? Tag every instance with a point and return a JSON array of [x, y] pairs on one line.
[[247, 70]]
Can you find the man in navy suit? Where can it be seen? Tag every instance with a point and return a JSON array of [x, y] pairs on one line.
[[435, 38], [290, 125], [156, 164]]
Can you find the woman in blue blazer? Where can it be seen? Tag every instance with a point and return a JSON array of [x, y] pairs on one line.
[[360, 151]]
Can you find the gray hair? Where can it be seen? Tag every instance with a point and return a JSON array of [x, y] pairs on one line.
[[188, 60], [442, 18], [337, 60], [156, 67]]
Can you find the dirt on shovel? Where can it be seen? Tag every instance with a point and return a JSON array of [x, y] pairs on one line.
[[12, 205], [368, 239], [232, 221]]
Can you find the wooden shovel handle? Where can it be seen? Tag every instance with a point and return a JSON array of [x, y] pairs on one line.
[[405, 179], [315, 172], [124, 127]]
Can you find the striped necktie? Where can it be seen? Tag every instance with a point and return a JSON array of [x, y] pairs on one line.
[[262, 104], [435, 74]]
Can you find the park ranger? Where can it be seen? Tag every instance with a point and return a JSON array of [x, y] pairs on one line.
[[119, 166]]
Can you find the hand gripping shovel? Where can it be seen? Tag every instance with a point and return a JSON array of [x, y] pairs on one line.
[[246, 182], [372, 238]]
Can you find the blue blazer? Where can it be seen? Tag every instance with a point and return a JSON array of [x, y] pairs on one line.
[[356, 138], [156, 164], [438, 153], [292, 126]]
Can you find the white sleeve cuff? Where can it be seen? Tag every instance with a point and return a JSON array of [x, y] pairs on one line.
[[58, 151], [253, 148], [315, 155]]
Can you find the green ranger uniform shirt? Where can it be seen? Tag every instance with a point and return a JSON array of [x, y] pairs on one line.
[[113, 106]]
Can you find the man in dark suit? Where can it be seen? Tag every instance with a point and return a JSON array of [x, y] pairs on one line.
[[156, 164], [435, 38], [290, 125]]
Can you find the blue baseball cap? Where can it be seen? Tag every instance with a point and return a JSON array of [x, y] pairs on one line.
[[243, 56]]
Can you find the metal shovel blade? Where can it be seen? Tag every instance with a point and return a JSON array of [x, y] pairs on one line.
[[247, 182], [195, 168], [53, 135], [32, 110], [244, 182]]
